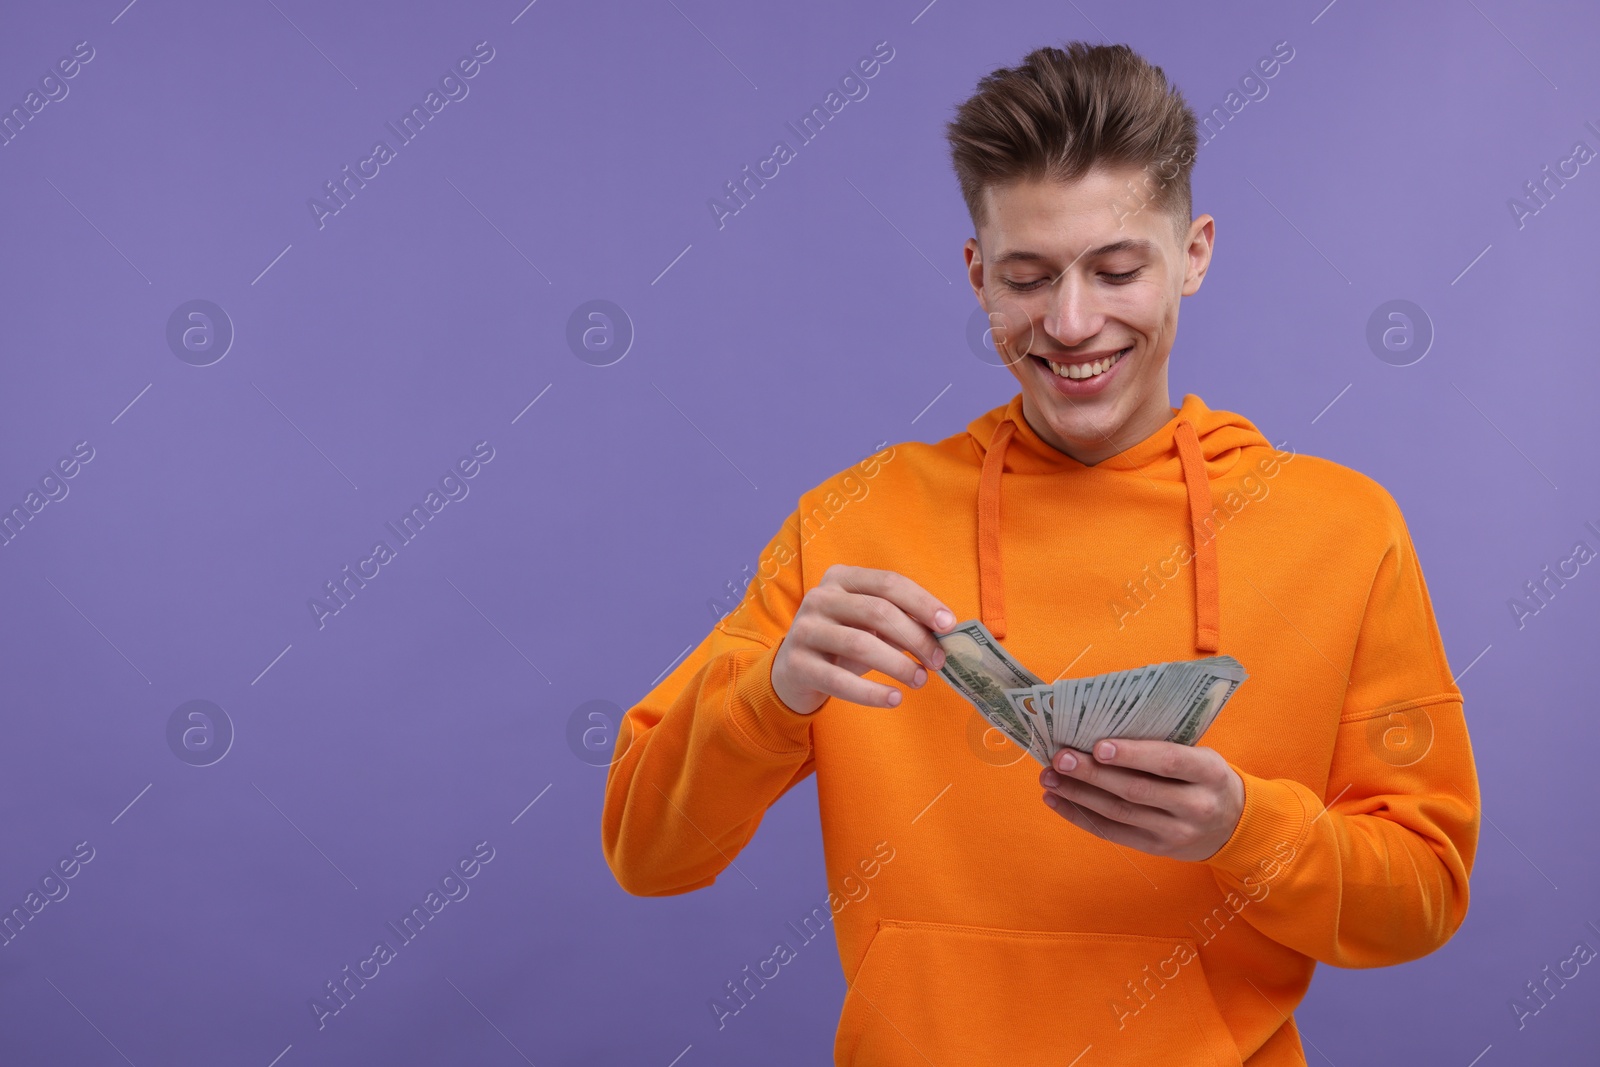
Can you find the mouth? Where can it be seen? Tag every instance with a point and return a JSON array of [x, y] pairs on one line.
[[1078, 376]]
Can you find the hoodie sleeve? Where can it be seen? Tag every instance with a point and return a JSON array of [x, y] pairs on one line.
[[1375, 872], [703, 755]]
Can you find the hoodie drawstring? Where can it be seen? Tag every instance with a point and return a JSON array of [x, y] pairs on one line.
[[1207, 599], [991, 579]]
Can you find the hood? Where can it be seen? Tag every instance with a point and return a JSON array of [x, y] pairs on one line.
[[1194, 446]]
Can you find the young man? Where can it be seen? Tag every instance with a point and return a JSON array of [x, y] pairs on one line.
[[1149, 901]]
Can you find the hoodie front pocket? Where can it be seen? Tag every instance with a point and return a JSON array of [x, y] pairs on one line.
[[953, 996]]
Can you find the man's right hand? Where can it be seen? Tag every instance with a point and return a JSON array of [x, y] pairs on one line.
[[854, 620]]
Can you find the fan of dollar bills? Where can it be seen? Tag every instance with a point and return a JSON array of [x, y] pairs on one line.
[[1174, 701]]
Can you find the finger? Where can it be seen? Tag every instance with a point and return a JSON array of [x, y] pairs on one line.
[[818, 674], [1166, 759], [887, 620], [851, 665], [864, 648], [882, 615], [1134, 786], [916, 602], [1108, 804], [1106, 830]]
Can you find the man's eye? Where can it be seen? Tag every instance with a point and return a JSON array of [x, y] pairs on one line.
[[1118, 279]]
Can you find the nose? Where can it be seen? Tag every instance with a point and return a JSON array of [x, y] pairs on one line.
[[1074, 314]]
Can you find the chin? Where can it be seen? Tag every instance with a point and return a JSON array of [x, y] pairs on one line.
[[1085, 422], [1083, 428]]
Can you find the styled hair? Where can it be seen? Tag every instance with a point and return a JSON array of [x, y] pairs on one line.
[[1062, 113]]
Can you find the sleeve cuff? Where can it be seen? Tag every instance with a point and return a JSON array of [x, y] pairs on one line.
[[759, 714], [1274, 818]]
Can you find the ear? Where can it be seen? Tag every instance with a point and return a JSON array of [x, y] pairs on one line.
[[974, 258], [1197, 253]]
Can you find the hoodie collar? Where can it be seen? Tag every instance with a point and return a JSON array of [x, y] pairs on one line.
[[1195, 445]]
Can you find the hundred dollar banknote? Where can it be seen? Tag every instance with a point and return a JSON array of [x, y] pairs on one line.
[[979, 668], [1175, 701]]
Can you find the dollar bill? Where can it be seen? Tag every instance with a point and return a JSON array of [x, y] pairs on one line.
[[1175, 701], [980, 669]]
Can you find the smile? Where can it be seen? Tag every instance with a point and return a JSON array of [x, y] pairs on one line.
[[1081, 371]]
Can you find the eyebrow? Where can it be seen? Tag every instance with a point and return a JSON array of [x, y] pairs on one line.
[[1127, 244]]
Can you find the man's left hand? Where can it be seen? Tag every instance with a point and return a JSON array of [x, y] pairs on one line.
[[1159, 797]]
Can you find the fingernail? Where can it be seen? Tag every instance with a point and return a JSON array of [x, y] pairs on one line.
[[1066, 761], [1107, 750], [943, 619], [919, 677], [938, 658], [1052, 779], [894, 697]]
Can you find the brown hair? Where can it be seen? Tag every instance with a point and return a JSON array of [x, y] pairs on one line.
[[1062, 113]]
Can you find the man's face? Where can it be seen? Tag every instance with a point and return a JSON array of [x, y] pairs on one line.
[[1087, 275]]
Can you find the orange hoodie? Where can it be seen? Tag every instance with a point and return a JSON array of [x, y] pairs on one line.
[[976, 926]]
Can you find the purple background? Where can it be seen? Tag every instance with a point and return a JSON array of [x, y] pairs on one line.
[[829, 314]]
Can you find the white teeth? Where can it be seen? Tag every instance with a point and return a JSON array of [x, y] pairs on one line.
[[1085, 370]]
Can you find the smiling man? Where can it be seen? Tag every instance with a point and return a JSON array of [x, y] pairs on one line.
[[1088, 332], [1148, 902]]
